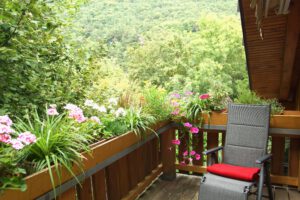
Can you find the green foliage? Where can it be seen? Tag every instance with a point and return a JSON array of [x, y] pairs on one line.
[[246, 96], [11, 173], [188, 61], [138, 121], [37, 65], [59, 142], [156, 102]]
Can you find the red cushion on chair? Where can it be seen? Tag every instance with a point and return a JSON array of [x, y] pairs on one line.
[[234, 172]]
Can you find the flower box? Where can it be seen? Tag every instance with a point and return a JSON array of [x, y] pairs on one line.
[[39, 183], [288, 120]]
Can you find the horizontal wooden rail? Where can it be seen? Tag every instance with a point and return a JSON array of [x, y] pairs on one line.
[[110, 156]]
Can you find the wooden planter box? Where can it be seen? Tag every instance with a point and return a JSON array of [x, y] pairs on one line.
[[39, 183], [288, 120]]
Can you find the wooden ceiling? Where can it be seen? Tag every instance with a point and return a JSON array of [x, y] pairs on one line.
[[273, 62]]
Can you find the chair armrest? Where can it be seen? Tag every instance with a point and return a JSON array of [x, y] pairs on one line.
[[264, 158], [213, 150]]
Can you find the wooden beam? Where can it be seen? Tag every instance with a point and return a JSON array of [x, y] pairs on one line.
[[292, 36]]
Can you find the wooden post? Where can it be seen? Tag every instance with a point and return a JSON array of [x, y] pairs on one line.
[[299, 169], [168, 155]]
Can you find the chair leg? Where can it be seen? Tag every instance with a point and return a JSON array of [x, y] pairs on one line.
[[260, 183], [268, 182]]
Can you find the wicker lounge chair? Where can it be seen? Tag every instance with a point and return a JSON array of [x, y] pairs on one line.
[[246, 162]]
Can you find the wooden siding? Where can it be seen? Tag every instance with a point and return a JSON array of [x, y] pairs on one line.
[[268, 58]]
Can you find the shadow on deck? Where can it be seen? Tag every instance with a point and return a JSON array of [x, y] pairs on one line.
[[186, 187]]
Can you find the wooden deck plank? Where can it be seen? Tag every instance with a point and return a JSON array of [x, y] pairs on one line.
[[186, 187]]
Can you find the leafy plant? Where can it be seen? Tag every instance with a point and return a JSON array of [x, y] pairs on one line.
[[246, 96], [138, 121], [155, 102], [11, 173], [59, 143]]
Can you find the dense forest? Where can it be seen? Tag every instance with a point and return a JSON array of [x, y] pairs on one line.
[[62, 51]]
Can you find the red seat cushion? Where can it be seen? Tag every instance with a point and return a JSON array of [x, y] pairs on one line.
[[234, 172]]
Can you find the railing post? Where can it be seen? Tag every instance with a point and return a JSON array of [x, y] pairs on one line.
[[168, 155]]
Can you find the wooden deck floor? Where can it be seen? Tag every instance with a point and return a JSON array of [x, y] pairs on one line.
[[186, 187]]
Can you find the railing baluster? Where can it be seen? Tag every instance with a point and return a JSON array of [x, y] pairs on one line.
[[168, 155], [70, 194], [278, 143], [99, 185], [85, 190]]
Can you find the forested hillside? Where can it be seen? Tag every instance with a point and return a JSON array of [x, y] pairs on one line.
[[179, 45], [62, 51]]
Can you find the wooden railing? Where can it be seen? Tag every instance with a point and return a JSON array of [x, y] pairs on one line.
[[123, 167], [284, 145], [119, 168]]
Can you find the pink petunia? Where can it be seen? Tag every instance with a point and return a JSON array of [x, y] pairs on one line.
[[204, 96], [16, 144], [27, 138], [197, 156], [5, 120], [192, 153], [176, 142], [52, 111], [5, 129], [185, 153], [5, 138], [194, 130], [188, 125]]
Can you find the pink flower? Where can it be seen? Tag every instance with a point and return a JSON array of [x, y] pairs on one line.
[[190, 160], [5, 129], [16, 144], [194, 130], [176, 95], [174, 103], [204, 96], [27, 138], [188, 93], [176, 142], [5, 138], [188, 125], [5, 120], [175, 112], [75, 113], [182, 163], [52, 111], [96, 119], [197, 157], [192, 153], [185, 153]]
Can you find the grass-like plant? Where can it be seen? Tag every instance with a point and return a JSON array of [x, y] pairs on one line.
[[139, 122], [156, 104], [59, 143]]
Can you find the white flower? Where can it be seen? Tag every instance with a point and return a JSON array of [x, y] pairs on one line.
[[121, 112], [113, 101], [96, 119], [70, 106], [89, 103], [101, 108]]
